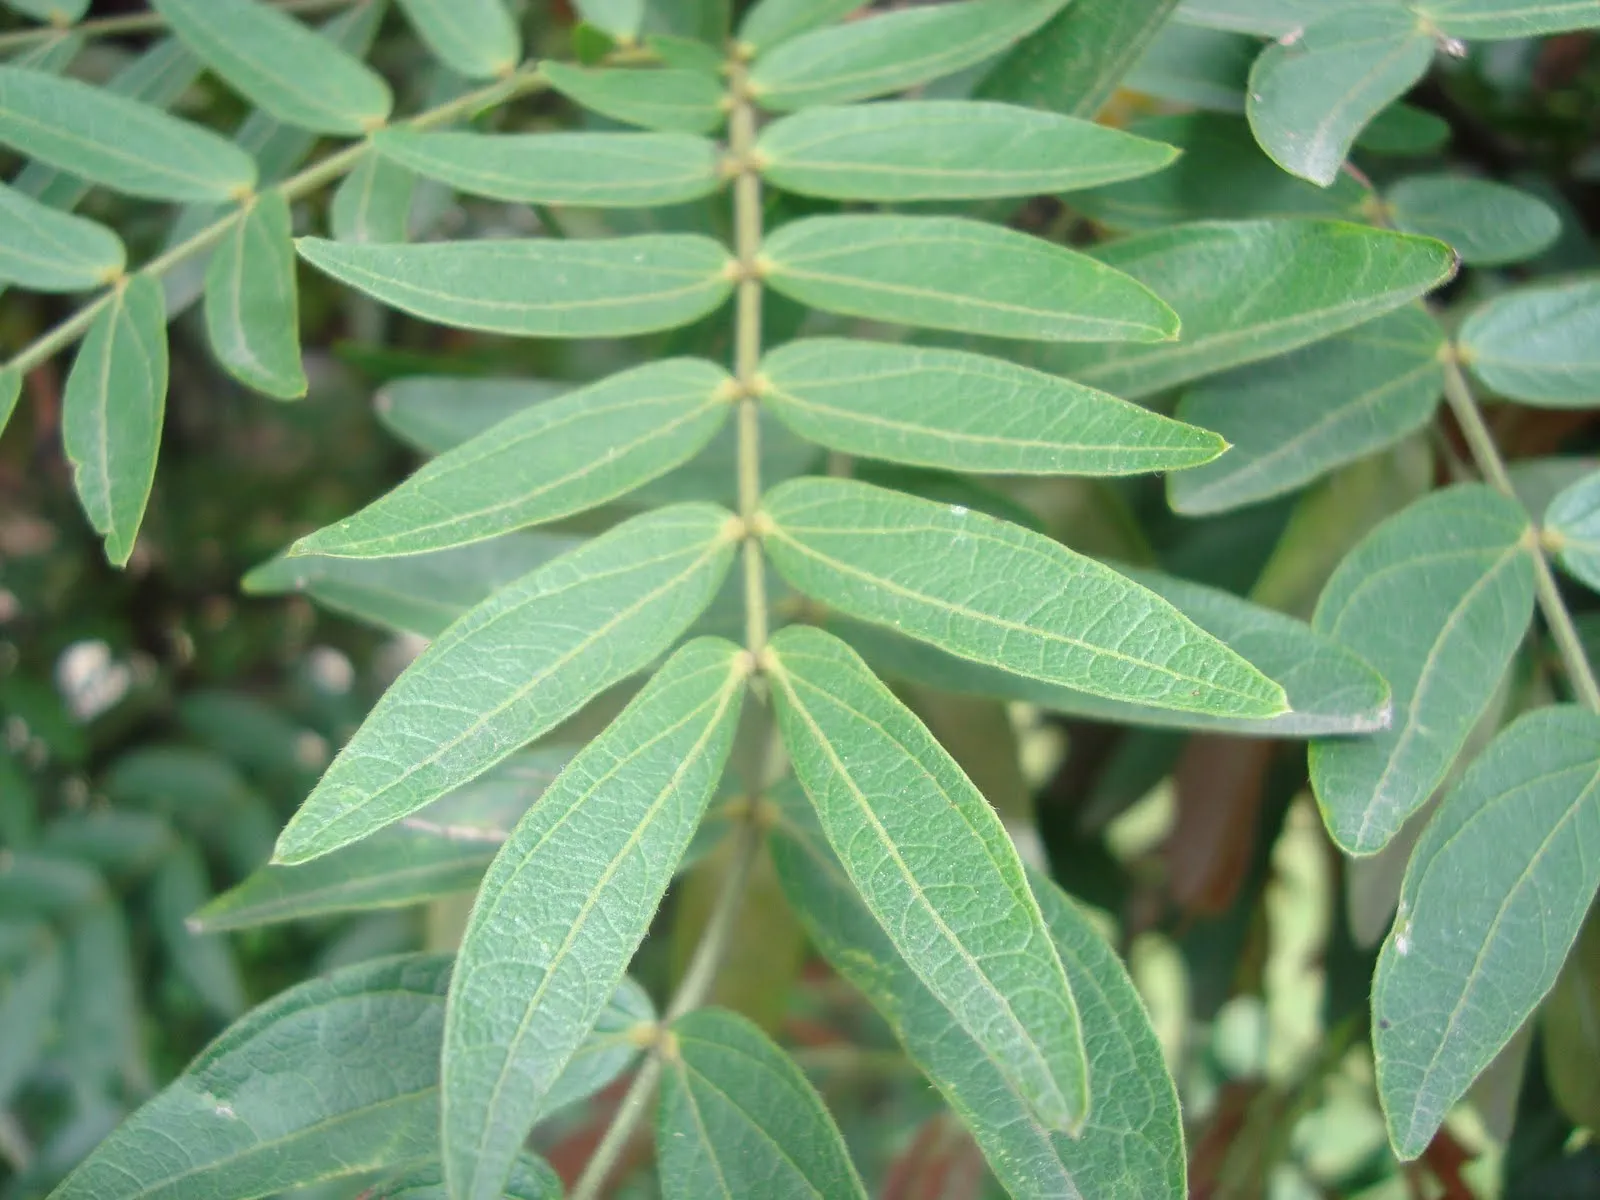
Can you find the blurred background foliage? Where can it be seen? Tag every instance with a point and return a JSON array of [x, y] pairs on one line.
[[158, 725]]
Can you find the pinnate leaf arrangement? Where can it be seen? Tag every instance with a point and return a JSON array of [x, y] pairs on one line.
[[805, 226]]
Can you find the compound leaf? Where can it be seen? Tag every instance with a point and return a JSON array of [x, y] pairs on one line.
[[1493, 899], [947, 150], [997, 594], [959, 274], [122, 143], [567, 901], [596, 169], [738, 1118], [934, 865], [539, 287], [1294, 418], [1539, 345], [966, 412], [46, 250], [568, 630], [281, 66], [475, 38], [112, 412], [252, 302], [1455, 566], [548, 461]]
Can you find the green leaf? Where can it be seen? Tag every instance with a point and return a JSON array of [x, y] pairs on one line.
[[1456, 564], [568, 900], [29, 993], [934, 865], [200, 791], [738, 1118], [1310, 96], [112, 411], [549, 461], [435, 413], [1487, 223], [967, 412], [947, 150], [440, 850], [1131, 1147], [688, 53], [1293, 419], [891, 51], [673, 101], [953, 273], [1570, 1032], [421, 593], [612, 1047], [572, 627], [56, 12], [46, 250], [206, 962], [539, 287], [128, 146], [252, 302], [10, 393], [1250, 290], [1269, 18], [1222, 175], [531, 1179], [279, 65], [474, 38], [1488, 20], [373, 202], [1196, 67], [768, 22], [1330, 690], [1572, 529], [98, 1033], [997, 594], [1074, 62], [1539, 345], [256, 1114], [617, 170], [617, 19], [1405, 132], [1493, 899]]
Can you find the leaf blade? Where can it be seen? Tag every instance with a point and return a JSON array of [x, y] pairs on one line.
[[46, 250], [1572, 529], [567, 901], [252, 302], [1537, 345], [655, 574], [1488, 223], [668, 100], [475, 38]]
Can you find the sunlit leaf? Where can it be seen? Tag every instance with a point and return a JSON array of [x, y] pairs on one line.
[[595, 169], [935, 867], [1131, 1147], [127, 145], [769, 22], [1311, 95], [421, 593], [967, 412], [1250, 290], [112, 412], [1493, 899], [1539, 345], [567, 901], [550, 460], [46, 250], [738, 1118], [669, 100], [539, 287], [947, 149], [572, 628], [953, 273], [1437, 598], [1003, 596], [1572, 527], [440, 850], [890, 51], [252, 302], [475, 38], [280, 65], [1294, 418]]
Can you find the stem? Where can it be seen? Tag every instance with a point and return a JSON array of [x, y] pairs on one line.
[[1458, 394], [695, 987], [139, 23], [305, 182]]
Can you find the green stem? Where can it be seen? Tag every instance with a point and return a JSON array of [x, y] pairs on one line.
[[315, 176], [1458, 394], [139, 23]]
